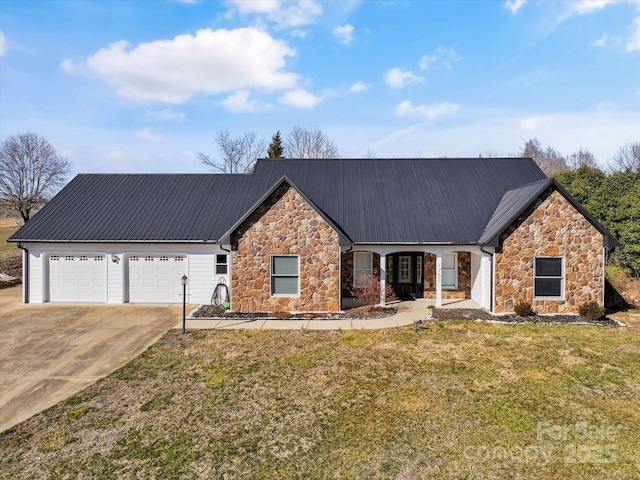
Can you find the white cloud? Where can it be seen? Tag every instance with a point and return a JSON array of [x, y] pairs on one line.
[[300, 33], [344, 34], [68, 66], [531, 124], [282, 13], [426, 61], [168, 115], [147, 134], [300, 98], [448, 56], [359, 87], [240, 102], [210, 62], [514, 5], [602, 41], [397, 78], [3, 44], [633, 43], [445, 56], [430, 112], [582, 7]]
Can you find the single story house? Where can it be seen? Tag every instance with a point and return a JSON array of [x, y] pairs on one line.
[[295, 235]]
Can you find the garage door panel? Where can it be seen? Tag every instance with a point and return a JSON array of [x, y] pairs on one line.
[[156, 278], [77, 278]]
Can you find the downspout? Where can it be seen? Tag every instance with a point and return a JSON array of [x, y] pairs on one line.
[[25, 272], [491, 283]]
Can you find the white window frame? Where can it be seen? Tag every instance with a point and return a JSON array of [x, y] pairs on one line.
[[561, 277], [272, 276], [225, 264], [454, 270], [357, 273]]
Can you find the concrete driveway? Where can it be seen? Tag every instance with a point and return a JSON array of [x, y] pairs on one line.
[[49, 352]]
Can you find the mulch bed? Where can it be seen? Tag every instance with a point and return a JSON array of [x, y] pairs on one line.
[[481, 315], [212, 311]]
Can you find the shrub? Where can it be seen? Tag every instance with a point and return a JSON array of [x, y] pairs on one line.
[[523, 309], [367, 292], [617, 275], [591, 311], [281, 314]]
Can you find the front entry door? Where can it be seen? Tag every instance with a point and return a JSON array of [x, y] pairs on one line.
[[405, 274]]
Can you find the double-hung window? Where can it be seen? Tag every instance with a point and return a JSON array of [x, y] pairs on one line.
[[285, 275], [450, 270], [362, 268], [548, 278], [221, 264]]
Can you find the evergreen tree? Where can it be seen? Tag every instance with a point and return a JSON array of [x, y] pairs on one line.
[[276, 149]]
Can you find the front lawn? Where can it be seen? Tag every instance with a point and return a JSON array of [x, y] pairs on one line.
[[455, 400]]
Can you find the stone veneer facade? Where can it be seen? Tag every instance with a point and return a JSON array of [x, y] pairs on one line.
[[285, 224], [550, 227], [347, 271]]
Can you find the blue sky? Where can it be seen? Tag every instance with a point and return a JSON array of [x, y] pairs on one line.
[[137, 86]]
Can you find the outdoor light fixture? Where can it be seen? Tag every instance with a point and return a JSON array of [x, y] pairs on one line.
[[416, 323], [114, 258], [184, 281]]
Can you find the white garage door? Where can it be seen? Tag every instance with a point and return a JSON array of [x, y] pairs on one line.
[[156, 278], [77, 278]]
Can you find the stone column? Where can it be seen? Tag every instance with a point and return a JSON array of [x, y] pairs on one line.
[[383, 279], [439, 280]]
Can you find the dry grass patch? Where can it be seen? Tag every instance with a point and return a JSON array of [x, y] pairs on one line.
[[455, 400]]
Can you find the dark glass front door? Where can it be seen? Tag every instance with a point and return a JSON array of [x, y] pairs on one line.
[[404, 274]]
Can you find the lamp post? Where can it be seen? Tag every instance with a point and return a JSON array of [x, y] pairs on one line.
[[183, 281]]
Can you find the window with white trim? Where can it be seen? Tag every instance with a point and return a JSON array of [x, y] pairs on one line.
[[285, 275], [450, 270], [548, 278], [221, 264], [362, 268]]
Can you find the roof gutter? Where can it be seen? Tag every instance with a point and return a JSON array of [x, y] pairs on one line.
[[18, 240]]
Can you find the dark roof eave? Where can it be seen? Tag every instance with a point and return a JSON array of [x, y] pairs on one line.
[[31, 240]]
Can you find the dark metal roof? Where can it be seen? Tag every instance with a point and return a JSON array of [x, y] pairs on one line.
[[513, 203], [406, 200], [141, 208], [367, 201]]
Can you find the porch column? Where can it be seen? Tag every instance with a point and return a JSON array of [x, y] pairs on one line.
[[383, 279], [439, 280]]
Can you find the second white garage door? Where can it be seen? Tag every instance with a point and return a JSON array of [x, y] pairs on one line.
[[156, 278]]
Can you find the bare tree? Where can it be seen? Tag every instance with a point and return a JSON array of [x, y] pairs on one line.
[[309, 143], [370, 154], [627, 158], [237, 155], [582, 157], [550, 161], [31, 171]]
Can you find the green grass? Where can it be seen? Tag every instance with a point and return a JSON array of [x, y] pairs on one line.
[[455, 400]]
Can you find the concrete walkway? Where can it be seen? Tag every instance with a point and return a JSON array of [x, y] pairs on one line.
[[407, 311]]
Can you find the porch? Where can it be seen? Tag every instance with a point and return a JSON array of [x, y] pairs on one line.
[[446, 276]]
